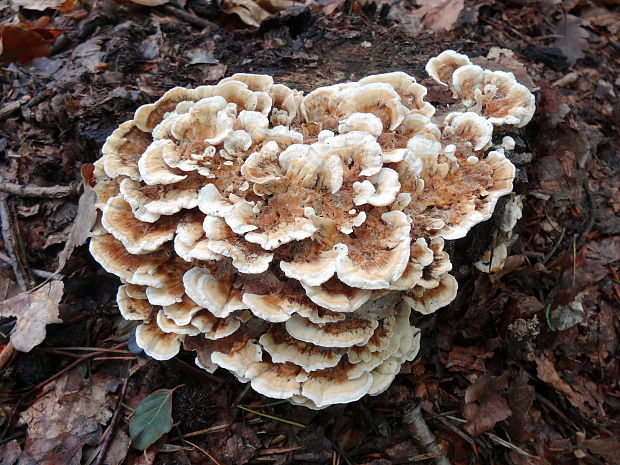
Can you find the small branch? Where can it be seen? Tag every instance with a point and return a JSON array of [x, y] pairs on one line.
[[421, 432], [6, 354], [38, 273], [12, 245], [203, 451], [61, 372], [188, 17], [30, 190], [112, 427]]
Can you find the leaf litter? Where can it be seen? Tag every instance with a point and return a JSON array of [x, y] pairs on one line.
[[527, 392]]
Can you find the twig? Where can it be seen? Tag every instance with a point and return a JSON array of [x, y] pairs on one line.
[[6, 354], [96, 349], [341, 454], [112, 426], [493, 437], [212, 429], [38, 273], [502, 442], [419, 458], [421, 432], [279, 450], [454, 429], [271, 417], [30, 190], [12, 245], [60, 373], [9, 108], [203, 451], [24, 395], [554, 248], [17, 435], [190, 18], [195, 371]]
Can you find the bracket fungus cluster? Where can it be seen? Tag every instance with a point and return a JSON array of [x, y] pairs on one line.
[[287, 237]]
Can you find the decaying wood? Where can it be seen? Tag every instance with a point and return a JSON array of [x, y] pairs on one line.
[[190, 18], [412, 417], [29, 190], [13, 245]]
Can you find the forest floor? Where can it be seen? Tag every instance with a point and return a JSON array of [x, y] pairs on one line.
[[522, 368]]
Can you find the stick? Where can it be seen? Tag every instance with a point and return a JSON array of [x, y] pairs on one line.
[[61, 372], [12, 245], [112, 427], [30, 190], [38, 273], [190, 18], [6, 354], [420, 431]]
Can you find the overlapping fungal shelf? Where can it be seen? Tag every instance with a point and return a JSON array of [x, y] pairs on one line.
[[287, 237]]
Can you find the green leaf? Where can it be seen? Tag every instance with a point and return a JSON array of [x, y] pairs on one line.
[[152, 419]]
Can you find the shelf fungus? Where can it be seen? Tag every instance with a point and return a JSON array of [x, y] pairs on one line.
[[287, 237]]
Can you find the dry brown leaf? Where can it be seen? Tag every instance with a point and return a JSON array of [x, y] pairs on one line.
[[439, 15], [606, 447], [546, 372], [10, 452], [82, 225], [118, 448], [573, 38], [60, 423], [254, 12], [485, 404], [23, 42], [34, 311], [146, 458]]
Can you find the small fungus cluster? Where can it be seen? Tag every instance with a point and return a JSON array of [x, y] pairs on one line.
[[287, 237]]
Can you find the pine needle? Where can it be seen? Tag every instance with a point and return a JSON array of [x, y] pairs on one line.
[[271, 417]]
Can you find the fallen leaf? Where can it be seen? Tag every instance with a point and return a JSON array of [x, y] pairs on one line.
[[573, 38], [606, 447], [89, 54], [152, 419], [556, 175], [567, 316], [439, 15], [82, 224], [118, 448], [10, 452], [485, 404], [591, 265], [61, 423], [546, 372], [34, 311], [146, 458], [467, 358], [23, 42], [39, 5], [254, 12], [215, 72], [241, 446]]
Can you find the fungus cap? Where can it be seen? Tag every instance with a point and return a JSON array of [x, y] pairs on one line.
[[286, 237]]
